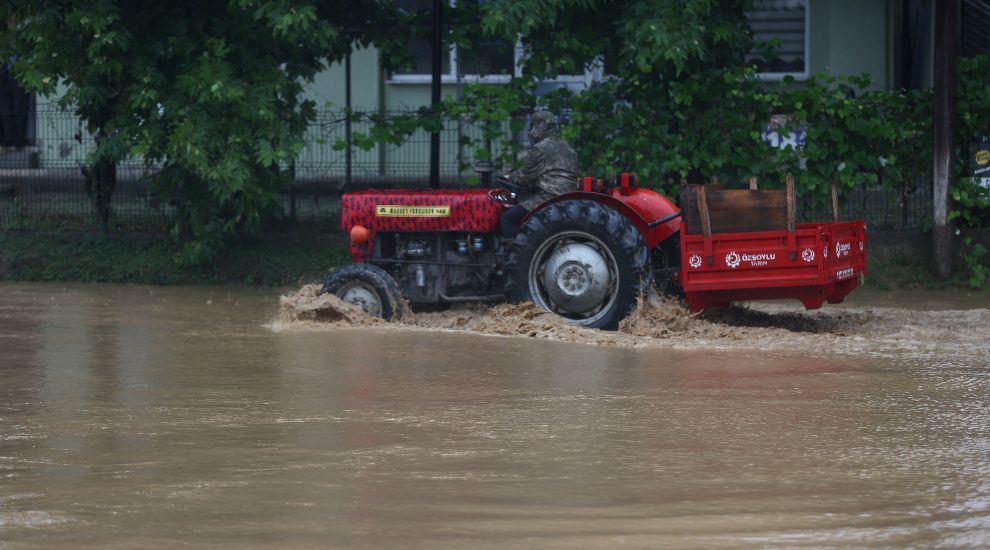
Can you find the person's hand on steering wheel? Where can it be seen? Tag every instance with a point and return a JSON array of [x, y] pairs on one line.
[[503, 196], [505, 181]]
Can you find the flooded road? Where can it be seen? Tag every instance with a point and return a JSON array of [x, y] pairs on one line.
[[156, 417]]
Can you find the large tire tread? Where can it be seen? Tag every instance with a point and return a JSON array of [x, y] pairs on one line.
[[392, 301], [612, 228]]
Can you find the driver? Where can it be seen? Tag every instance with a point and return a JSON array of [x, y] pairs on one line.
[[550, 168]]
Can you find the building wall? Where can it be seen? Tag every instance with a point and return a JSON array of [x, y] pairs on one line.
[[327, 90]]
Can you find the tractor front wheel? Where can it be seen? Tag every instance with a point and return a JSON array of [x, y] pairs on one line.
[[369, 287], [581, 260]]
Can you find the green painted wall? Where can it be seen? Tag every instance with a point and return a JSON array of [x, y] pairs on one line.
[[327, 90]]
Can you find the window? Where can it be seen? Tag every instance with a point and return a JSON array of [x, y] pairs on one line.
[[786, 22], [485, 61], [15, 111], [491, 61], [975, 22]]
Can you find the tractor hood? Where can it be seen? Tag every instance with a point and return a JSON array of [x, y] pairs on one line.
[[470, 210]]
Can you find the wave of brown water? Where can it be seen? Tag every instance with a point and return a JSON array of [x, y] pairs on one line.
[[156, 417], [662, 322]]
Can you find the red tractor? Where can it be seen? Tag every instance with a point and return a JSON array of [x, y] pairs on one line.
[[585, 255]]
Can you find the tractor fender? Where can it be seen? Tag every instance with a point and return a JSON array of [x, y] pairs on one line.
[[650, 203]]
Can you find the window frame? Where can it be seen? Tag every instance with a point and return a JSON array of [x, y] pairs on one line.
[[451, 77], [592, 74], [806, 73]]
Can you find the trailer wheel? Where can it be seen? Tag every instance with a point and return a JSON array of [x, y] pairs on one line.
[[368, 286], [581, 260]]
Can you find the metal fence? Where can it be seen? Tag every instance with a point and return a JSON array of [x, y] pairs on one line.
[[42, 183], [907, 207]]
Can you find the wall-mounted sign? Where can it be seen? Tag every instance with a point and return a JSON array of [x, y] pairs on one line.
[[783, 132], [979, 157]]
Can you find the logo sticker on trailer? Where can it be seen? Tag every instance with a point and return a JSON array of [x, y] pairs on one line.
[[694, 261], [398, 211], [732, 260]]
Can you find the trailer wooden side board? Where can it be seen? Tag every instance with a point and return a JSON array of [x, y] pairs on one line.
[[734, 210]]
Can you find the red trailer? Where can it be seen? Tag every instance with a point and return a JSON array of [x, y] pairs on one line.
[[817, 263], [745, 245]]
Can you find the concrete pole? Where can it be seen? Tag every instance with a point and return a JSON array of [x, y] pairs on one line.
[[946, 25]]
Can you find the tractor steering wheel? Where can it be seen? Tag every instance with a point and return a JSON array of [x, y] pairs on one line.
[[507, 183]]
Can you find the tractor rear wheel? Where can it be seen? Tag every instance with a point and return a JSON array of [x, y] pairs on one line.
[[581, 260], [368, 286]]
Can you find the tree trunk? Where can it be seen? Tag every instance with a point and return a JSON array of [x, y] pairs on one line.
[[946, 22], [100, 181]]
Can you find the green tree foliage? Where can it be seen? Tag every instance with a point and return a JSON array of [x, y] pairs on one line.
[[654, 111], [854, 135], [679, 99], [675, 70], [971, 201], [206, 91]]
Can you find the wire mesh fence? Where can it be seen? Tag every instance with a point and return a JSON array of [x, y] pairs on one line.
[[908, 207], [42, 181]]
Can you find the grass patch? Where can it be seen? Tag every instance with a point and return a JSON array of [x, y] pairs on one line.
[[906, 272], [273, 260]]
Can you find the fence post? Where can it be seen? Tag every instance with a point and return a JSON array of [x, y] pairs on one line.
[[835, 202], [347, 121], [292, 191], [381, 111], [791, 215], [435, 90]]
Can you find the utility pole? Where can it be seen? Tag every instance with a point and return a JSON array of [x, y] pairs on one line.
[[946, 39], [435, 90]]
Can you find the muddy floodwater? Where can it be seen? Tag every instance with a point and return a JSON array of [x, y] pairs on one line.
[[144, 417]]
